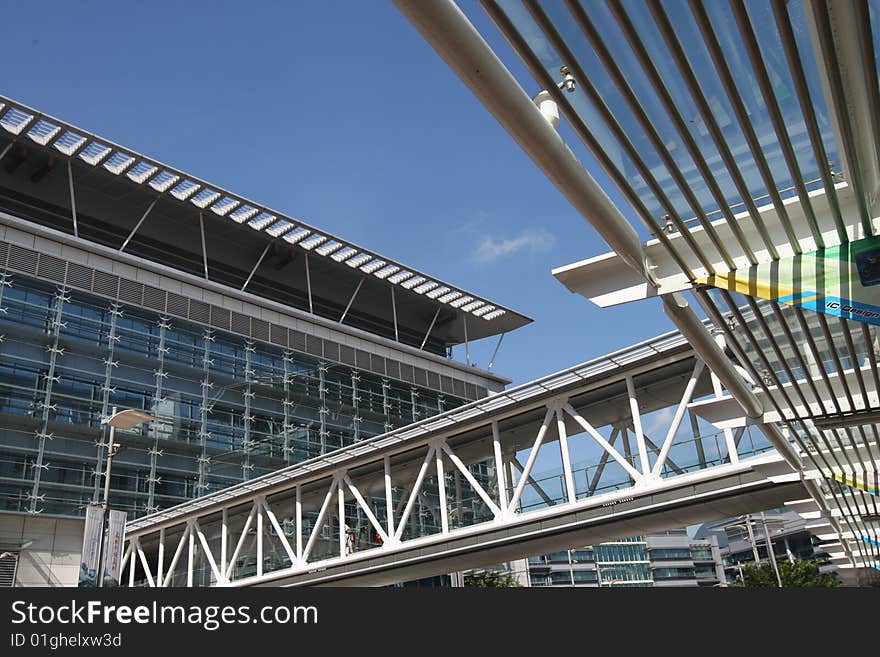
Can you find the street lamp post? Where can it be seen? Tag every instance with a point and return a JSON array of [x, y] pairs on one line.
[[770, 551], [126, 419], [767, 541]]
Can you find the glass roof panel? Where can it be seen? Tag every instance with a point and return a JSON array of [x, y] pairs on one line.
[[596, 36]]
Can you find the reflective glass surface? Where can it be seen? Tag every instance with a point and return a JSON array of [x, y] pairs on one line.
[[229, 408]]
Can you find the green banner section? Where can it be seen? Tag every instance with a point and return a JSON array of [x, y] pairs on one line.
[[843, 281]]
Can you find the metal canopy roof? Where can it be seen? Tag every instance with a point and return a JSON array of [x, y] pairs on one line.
[[738, 133], [124, 167]]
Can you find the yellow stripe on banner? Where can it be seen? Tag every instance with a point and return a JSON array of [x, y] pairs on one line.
[[856, 482], [745, 284], [751, 286]]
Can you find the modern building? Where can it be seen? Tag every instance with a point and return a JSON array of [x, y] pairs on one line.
[[745, 539], [670, 558], [257, 341]]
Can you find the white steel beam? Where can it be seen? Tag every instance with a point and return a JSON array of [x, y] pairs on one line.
[[138, 224], [604, 444], [351, 300], [72, 198], [126, 556], [224, 539], [131, 568], [160, 580], [571, 493], [299, 516], [441, 491], [725, 412], [414, 494], [280, 532], [728, 432], [430, 327], [343, 524], [322, 514], [208, 554], [637, 426], [389, 507], [259, 514], [457, 462], [501, 480], [607, 280], [176, 557], [849, 84], [145, 566], [366, 509], [190, 556], [244, 534], [514, 463], [257, 266], [530, 461], [677, 418]]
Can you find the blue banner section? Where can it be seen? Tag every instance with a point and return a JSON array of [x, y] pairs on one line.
[[846, 308]]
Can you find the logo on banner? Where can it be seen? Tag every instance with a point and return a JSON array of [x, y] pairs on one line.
[[91, 551], [843, 281]]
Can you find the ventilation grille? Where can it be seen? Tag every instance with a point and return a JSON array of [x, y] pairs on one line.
[[153, 298], [8, 567], [27, 261], [23, 260], [80, 276], [131, 292], [298, 340], [51, 268], [106, 285], [199, 311], [279, 336], [177, 305], [392, 368], [241, 323], [314, 346], [331, 350], [220, 317]]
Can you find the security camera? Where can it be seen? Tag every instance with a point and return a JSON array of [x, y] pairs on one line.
[[568, 81]]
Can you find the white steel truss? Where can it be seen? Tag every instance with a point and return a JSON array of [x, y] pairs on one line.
[[501, 469]]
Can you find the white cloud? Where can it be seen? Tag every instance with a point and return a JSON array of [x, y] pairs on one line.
[[534, 241]]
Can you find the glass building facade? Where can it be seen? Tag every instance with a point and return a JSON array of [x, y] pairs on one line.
[[230, 408], [668, 559]]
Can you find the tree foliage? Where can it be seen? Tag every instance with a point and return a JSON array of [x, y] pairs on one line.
[[801, 573], [489, 579]]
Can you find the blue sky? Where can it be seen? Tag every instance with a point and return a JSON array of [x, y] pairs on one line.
[[340, 114]]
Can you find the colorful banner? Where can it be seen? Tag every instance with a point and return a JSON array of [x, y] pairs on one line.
[[113, 548], [843, 281], [91, 551], [869, 482]]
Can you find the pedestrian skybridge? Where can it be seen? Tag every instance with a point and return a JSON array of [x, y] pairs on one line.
[[606, 449]]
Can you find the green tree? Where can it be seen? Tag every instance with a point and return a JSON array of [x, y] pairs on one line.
[[801, 573], [490, 579]]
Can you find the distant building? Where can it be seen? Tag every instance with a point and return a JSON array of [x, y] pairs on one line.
[[668, 559], [787, 531]]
